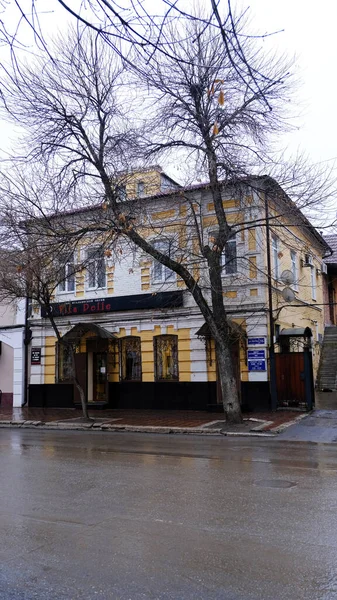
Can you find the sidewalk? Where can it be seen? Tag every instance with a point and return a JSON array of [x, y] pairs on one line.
[[148, 421]]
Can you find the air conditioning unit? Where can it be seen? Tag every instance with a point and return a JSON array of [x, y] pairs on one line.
[[324, 268], [307, 261]]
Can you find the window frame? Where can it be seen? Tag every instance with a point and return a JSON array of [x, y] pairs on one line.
[[167, 275], [173, 338], [94, 261], [122, 358], [294, 269], [232, 261], [275, 251], [67, 265], [141, 189], [313, 280]]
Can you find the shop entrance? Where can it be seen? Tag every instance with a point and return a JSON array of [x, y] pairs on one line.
[[94, 352]]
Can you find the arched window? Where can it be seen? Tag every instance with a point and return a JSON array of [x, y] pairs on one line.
[[166, 357], [131, 358]]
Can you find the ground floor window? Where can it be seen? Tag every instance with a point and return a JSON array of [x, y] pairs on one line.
[[64, 362], [131, 358], [166, 357]]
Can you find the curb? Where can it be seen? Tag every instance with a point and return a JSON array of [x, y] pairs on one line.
[[55, 425], [284, 426]]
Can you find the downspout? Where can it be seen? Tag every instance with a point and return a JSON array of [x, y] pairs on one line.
[[272, 372], [26, 340]]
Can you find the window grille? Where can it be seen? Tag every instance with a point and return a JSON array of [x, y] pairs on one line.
[[131, 359], [166, 357]]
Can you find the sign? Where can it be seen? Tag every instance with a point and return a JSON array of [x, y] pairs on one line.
[[256, 354], [257, 365], [256, 341], [35, 357], [172, 299]]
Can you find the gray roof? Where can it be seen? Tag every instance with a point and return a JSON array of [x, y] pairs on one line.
[[331, 240]]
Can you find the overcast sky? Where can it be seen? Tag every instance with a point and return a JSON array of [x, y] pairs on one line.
[[309, 32]]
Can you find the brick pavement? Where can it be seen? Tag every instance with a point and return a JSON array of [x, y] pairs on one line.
[[152, 418]]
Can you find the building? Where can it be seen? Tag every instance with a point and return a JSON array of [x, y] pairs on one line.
[[140, 338]]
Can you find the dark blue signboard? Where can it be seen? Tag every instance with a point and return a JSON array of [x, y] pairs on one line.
[[257, 365], [256, 341], [256, 354]]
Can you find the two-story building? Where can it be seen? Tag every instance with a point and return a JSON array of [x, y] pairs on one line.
[[140, 338]]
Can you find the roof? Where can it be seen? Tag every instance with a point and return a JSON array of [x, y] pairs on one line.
[[267, 183], [331, 240], [75, 334], [297, 332]]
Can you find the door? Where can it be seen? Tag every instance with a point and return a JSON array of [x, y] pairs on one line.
[[100, 376], [81, 374], [290, 378]]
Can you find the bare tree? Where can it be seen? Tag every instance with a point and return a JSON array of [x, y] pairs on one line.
[[77, 113], [34, 251]]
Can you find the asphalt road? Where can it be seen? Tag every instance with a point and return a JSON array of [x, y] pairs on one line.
[[134, 516]]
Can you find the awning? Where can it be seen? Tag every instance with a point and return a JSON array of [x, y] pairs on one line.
[[78, 331], [296, 332], [236, 330]]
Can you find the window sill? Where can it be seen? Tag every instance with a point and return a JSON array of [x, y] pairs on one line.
[[66, 293]]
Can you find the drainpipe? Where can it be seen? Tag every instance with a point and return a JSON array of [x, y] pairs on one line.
[[273, 390], [26, 340]]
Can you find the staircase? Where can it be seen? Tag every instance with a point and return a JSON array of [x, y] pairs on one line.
[[327, 372]]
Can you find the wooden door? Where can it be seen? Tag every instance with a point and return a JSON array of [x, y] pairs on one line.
[[290, 378], [81, 374]]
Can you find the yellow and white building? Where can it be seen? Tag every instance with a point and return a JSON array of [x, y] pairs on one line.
[[140, 338]]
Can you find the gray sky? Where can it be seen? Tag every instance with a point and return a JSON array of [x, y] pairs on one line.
[[309, 32]]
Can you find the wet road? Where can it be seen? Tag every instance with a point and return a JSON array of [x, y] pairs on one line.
[[131, 517]]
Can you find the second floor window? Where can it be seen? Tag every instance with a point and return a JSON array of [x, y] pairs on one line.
[[140, 189], [230, 257], [67, 274], [275, 249], [294, 268], [96, 275], [313, 282], [161, 273]]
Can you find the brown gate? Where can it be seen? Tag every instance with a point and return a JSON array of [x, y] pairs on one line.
[[290, 378]]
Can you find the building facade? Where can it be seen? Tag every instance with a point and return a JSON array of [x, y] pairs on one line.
[[140, 338]]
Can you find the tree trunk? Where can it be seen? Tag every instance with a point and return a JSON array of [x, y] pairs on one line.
[[229, 389]]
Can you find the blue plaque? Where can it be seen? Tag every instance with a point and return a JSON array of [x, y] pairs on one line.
[[256, 354], [257, 365], [256, 341]]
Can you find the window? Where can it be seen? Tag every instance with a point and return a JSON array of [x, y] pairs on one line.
[[161, 273], [230, 257], [294, 268], [313, 282], [64, 362], [131, 359], [140, 189], [67, 274], [96, 276], [166, 357], [121, 193], [275, 257]]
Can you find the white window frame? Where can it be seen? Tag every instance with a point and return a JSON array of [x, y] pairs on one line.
[[232, 241], [69, 276], [140, 189], [294, 269], [313, 282], [275, 249], [94, 261], [166, 275]]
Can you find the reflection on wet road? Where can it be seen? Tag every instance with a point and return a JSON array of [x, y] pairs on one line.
[[134, 516]]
